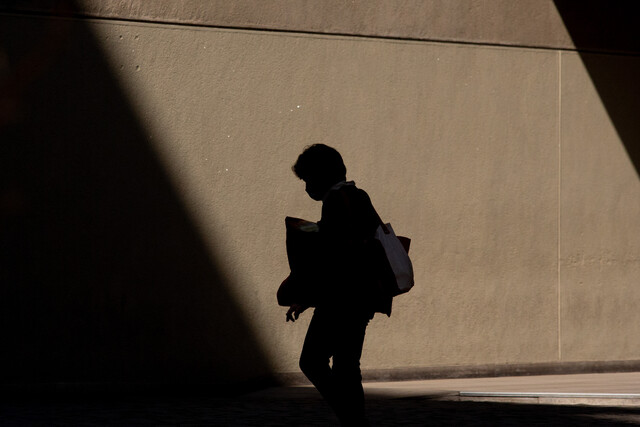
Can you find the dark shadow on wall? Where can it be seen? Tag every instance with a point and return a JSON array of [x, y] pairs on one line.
[[103, 277], [607, 36]]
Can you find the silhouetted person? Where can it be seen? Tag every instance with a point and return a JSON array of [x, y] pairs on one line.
[[345, 296]]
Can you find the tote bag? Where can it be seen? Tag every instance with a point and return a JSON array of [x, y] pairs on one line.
[[396, 252], [303, 246]]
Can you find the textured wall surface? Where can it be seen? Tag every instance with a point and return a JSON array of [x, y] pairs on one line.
[[149, 169], [530, 22], [229, 112], [600, 215], [595, 25]]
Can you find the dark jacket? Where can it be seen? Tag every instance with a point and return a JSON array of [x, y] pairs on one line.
[[349, 272]]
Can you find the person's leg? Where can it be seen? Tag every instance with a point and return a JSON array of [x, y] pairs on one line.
[[347, 377], [316, 351]]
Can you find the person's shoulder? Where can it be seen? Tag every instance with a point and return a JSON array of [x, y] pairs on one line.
[[359, 194], [346, 194], [351, 189]]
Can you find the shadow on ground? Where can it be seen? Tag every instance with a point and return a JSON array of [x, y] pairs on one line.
[[306, 409]]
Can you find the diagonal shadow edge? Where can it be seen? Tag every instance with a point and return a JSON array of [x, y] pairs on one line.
[[105, 277], [607, 38]]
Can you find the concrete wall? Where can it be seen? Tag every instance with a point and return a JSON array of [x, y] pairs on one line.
[[595, 25], [150, 172]]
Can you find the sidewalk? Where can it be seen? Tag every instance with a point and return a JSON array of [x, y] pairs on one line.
[[617, 389], [559, 400], [549, 400]]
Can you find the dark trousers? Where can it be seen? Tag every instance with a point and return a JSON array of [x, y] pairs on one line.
[[338, 335]]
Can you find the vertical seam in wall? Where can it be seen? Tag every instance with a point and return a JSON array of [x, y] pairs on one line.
[[559, 289]]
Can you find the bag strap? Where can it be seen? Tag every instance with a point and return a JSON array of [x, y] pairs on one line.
[[384, 227], [404, 241]]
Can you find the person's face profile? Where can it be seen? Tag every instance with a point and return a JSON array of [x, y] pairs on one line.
[[315, 189]]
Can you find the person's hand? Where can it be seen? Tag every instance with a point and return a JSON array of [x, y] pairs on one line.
[[294, 312]]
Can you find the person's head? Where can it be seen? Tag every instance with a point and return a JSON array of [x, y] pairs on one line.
[[320, 167]]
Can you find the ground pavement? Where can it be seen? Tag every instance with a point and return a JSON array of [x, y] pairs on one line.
[[559, 400]]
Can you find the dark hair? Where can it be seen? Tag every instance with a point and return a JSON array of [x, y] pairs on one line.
[[320, 162]]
